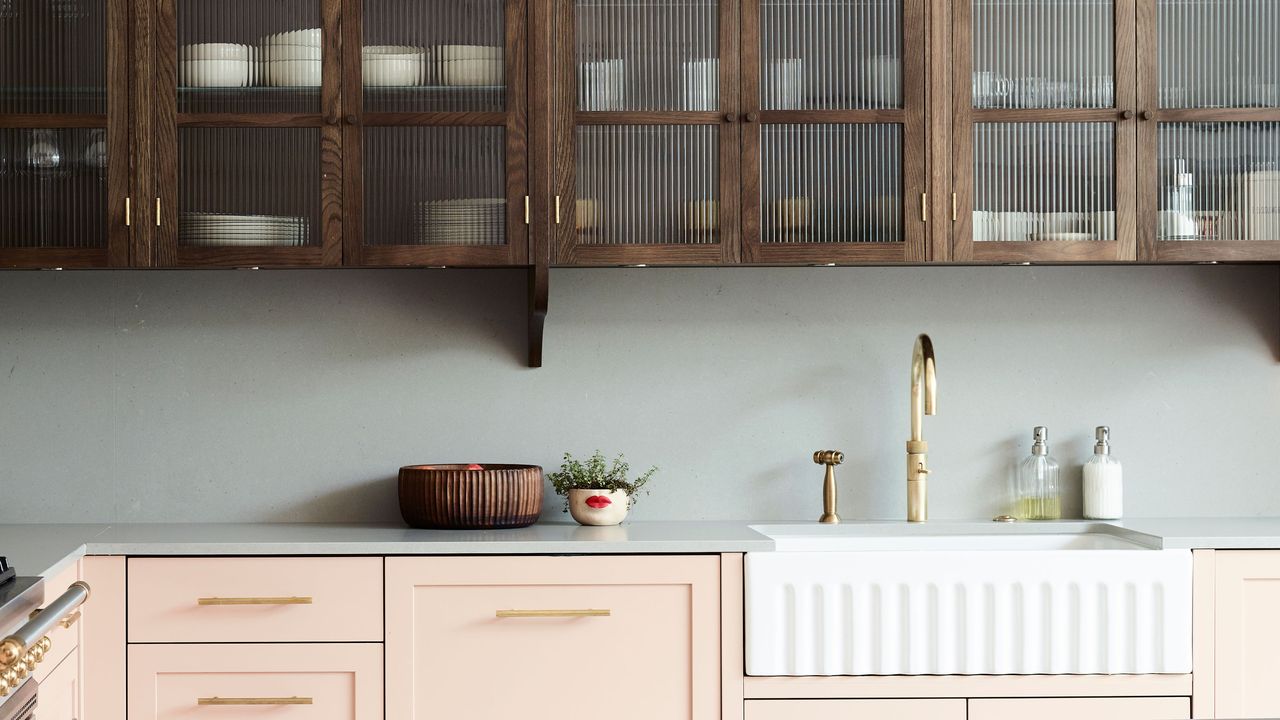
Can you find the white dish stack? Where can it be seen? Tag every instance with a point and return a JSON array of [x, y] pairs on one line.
[[224, 230], [600, 85], [394, 66], [215, 65], [293, 59], [462, 221], [470, 65]]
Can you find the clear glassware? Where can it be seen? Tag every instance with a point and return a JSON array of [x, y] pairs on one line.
[[1037, 495]]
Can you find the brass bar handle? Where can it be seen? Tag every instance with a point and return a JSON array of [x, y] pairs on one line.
[[589, 612], [15, 647], [924, 207], [557, 209], [128, 212], [157, 212], [526, 209], [295, 700], [254, 601], [954, 210]]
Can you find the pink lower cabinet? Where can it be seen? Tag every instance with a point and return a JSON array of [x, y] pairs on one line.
[[323, 681], [60, 696], [1246, 630], [1117, 708], [543, 638], [945, 709]]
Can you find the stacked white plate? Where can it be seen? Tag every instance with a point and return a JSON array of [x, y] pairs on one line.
[[464, 221], [470, 64], [293, 59], [393, 66], [215, 65], [220, 229]]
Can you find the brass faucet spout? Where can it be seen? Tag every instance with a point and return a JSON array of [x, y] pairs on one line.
[[924, 400]]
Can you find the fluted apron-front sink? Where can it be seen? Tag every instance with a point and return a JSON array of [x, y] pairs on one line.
[[941, 601]]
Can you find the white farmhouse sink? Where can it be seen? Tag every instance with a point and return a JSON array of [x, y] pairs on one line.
[[966, 599]]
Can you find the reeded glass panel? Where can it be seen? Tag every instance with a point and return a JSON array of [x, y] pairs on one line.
[[433, 56], [1219, 181], [830, 54], [1219, 53], [1044, 181], [53, 56], [435, 185], [256, 187], [1043, 53], [249, 56], [831, 183], [53, 188], [648, 54], [648, 184]]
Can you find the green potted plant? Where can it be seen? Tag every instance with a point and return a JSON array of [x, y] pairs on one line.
[[597, 492]]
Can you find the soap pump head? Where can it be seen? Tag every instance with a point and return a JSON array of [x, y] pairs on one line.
[[1041, 437], [1103, 446]]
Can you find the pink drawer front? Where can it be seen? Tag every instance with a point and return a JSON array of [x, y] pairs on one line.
[[233, 682], [250, 599]]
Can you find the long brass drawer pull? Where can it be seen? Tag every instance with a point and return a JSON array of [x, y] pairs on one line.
[[295, 700], [590, 612], [254, 601]]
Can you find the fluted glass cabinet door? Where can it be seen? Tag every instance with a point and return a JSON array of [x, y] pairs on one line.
[[247, 168], [64, 164], [1210, 130], [435, 139], [1044, 131], [833, 159], [647, 132]]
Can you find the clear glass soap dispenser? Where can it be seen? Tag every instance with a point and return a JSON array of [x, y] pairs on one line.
[[1037, 496]]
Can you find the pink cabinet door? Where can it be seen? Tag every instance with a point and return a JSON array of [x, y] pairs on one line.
[[948, 709], [60, 696], [1247, 628], [340, 681], [543, 638], [255, 599], [1116, 708]]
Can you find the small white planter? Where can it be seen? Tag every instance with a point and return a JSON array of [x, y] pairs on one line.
[[599, 507]]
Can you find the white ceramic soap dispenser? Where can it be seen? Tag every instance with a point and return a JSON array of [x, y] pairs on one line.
[[1103, 481]]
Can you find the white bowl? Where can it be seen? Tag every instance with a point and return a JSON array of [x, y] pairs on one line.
[[370, 50], [310, 36], [215, 51], [213, 73], [291, 52], [469, 52], [472, 72], [392, 70], [294, 73]]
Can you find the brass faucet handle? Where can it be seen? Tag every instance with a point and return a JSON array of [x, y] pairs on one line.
[[828, 457]]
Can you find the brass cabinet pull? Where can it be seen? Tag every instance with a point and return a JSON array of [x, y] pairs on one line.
[[128, 212], [254, 601], [954, 214], [69, 620], [924, 207], [157, 212], [590, 612], [526, 209], [557, 209], [295, 700]]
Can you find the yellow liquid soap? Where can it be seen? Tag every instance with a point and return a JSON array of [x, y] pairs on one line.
[[1039, 508]]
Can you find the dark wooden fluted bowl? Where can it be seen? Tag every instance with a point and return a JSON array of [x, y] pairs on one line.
[[470, 497]]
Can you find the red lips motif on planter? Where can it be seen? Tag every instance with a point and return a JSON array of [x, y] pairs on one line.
[[598, 501]]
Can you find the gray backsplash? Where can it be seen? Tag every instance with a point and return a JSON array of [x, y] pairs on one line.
[[295, 396]]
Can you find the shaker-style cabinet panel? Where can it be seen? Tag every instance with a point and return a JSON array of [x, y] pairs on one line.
[[1246, 629], [633, 638], [1210, 130], [64, 134], [1044, 130], [61, 696]]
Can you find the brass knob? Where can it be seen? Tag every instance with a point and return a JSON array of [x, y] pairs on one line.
[[8, 679], [37, 654], [45, 643], [1127, 114], [828, 457]]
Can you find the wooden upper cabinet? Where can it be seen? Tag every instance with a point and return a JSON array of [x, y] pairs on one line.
[[1210, 130], [435, 147], [833, 151], [1044, 130], [247, 149], [647, 132], [64, 135]]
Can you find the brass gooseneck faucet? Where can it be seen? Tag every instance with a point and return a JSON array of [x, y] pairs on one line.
[[924, 400], [830, 458]]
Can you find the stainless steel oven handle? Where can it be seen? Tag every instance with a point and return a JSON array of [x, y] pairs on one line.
[[14, 647]]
